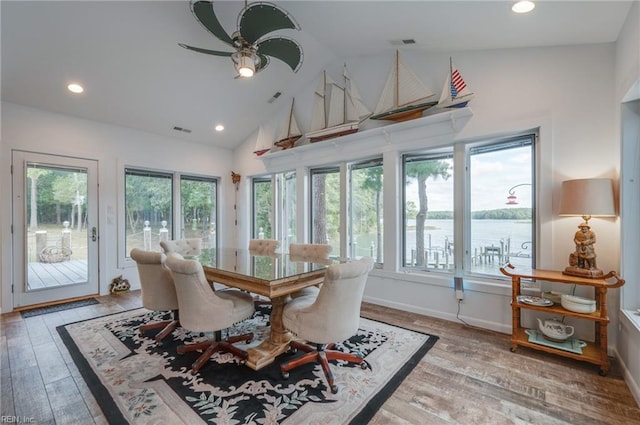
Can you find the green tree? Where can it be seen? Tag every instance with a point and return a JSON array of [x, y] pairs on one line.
[[33, 174], [421, 171], [373, 182]]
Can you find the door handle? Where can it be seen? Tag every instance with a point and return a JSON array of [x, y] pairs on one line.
[[94, 234]]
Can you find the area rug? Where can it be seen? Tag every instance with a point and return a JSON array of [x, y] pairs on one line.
[[136, 381], [57, 307]]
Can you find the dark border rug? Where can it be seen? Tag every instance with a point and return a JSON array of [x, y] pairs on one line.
[[57, 307], [137, 381]]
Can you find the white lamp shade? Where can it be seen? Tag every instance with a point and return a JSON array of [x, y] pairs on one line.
[[587, 197]]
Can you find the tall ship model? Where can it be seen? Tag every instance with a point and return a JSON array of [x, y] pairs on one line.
[[455, 93], [404, 96], [337, 110], [290, 132]]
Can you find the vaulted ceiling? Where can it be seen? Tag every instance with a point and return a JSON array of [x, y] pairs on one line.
[[135, 75]]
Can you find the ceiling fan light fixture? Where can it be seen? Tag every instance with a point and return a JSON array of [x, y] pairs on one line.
[[245, 61]]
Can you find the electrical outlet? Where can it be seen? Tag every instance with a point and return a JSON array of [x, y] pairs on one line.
[[459, 294]]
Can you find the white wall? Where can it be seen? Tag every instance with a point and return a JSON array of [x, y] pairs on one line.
[[566, 91], [113, 147], [628, 115]]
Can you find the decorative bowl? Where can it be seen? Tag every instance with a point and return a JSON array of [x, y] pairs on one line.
[[578, 304]]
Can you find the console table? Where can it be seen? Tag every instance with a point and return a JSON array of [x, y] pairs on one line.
[[594, 352]]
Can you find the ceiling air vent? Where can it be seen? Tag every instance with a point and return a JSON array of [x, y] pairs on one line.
[[184, 130], [402, 42], [274, 97]]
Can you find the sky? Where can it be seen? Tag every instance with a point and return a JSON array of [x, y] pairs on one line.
[[492, 175]]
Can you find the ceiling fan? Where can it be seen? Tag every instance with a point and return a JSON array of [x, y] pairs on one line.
[[252, 48]]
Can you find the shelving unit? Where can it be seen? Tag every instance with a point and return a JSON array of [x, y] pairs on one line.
[[594, 352]]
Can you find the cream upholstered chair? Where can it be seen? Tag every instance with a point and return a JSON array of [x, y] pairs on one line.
[[185, 247], [205, 310], [331, 317], [309, 252], [263, 246], [158, 290]]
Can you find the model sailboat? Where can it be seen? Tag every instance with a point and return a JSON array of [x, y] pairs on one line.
[[263, 145], [455, 93], [404, 96], [337, 111], [290, 132]]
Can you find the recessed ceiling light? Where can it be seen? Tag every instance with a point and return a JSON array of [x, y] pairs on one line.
[[75, 88], [523, 6], [219, 127]]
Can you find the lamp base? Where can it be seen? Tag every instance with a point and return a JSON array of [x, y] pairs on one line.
[[588, 273]]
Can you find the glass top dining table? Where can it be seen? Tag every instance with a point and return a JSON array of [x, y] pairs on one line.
[[273, 276]]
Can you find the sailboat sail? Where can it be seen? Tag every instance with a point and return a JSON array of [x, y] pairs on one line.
[[263, 145], [290, 132], [337, 110], [404, 95], [455, 93]]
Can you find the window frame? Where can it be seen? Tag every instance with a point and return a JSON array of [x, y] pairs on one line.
[[462, 152]]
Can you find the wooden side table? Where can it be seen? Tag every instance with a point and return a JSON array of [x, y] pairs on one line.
[[594, 352]]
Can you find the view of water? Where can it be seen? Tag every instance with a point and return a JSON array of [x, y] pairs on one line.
[[501, 237]]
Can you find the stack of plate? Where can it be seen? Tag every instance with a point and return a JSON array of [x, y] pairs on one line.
[[578, 304]]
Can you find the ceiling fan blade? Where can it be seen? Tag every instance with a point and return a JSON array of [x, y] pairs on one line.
[[264, 61], [261, 18], [203, 11], [207, 51], [285, 49]]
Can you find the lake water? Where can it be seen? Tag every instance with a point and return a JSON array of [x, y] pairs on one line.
[[502, 237]]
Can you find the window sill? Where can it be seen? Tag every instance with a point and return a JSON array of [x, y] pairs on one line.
[[634, 318]]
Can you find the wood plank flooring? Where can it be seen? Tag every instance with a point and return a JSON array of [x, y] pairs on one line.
[[47, 275], [468, 377]]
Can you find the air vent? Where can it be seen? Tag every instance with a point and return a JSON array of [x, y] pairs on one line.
[[184, 130], [274, 97], [402, 42]]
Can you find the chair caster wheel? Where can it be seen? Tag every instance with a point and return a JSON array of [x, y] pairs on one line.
[[364, 365], [285, 375], [249, 341], [334, 389]]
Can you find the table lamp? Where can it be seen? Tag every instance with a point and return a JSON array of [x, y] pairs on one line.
[[587, 198]]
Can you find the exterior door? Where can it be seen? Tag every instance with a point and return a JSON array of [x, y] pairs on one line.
[[55, 233]]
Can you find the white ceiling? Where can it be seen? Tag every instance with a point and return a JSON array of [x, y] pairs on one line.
[[126, 53]]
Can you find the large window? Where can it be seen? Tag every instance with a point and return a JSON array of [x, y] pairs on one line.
[[325, 207], [365, 210], [477, 221], [274, 223], [428, 210], [148, 209], [198, 213]]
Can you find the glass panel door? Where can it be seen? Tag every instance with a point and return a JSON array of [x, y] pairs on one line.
[[55, 228]]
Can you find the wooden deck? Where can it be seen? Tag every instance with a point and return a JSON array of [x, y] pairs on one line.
[[48, 275]]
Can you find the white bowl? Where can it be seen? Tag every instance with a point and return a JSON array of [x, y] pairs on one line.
[[578, 304]]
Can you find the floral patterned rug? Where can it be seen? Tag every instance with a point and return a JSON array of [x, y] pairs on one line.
[[135, 381]]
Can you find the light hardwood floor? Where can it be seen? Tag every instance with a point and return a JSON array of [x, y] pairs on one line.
[[468, 377]]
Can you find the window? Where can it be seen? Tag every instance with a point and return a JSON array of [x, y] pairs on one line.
[[428, 210], [494, 222], [365, 209], [262, 207], [325, 207], [148, 209], [269, 222], [198, 213]]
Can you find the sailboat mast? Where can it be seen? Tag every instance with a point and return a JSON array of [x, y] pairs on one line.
[[290, 118], [397, 78], [344, 98]]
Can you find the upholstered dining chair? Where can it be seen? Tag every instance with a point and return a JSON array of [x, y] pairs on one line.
[[158, 290], [331, 317], [263, 246], [205, 310], [185, 247], [309, 252]]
